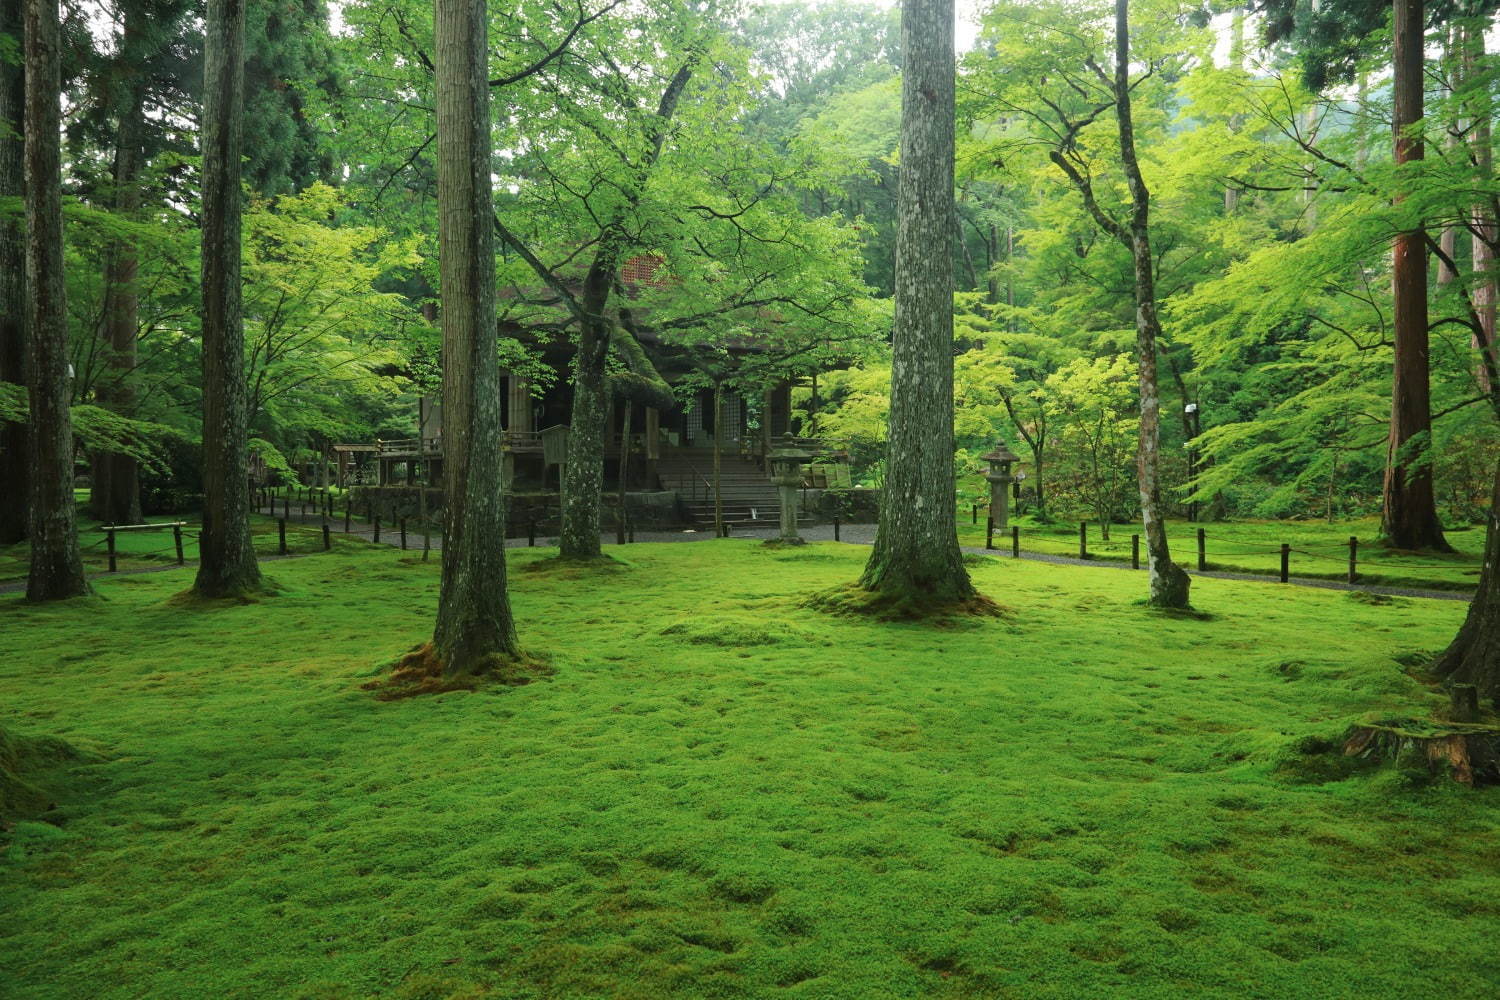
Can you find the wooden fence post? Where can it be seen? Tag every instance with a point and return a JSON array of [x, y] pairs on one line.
[[403, 533], [281, 533], [835, 527], [110, 534], [1135, 551], [1286, 561], [1202, 551], [376, 523], [1353, 558], [177, 540], [989, 532], [1015, 541], [327, 538], [1083, 539]]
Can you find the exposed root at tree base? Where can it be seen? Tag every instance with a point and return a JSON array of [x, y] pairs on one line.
[[421, 672], [192, 600], [783, 543], [1469, 752], [567, 567], [854, 600], [1188, 613]]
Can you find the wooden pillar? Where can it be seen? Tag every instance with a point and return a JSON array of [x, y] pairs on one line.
[[767, 413], [518, 401], [653, 444]]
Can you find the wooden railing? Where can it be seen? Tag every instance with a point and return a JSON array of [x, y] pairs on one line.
[[433, 445]]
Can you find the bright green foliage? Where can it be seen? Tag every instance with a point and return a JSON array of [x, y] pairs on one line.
[[732, 796], [1092, 403], [317, 333]]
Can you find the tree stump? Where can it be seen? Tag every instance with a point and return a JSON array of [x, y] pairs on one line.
[[1470, 752]]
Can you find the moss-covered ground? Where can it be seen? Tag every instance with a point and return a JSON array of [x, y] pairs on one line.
[[720, 793], [1319, 550]]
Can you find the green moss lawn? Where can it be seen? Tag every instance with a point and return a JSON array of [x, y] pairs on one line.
[[722, 794]]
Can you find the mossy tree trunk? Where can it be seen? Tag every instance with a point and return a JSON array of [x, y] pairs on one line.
[[474, 623], [1474, 655], [1169, 584], [916, 555], [115, 494], [227, 565], [15, 469], [583, 473], [56, 563], [1409, 511]]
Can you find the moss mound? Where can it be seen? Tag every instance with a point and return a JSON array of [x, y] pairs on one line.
[[29, 767], [737, 631]]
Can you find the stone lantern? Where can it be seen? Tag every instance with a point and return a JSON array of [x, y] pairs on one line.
[[787, 459], [1000, 478]]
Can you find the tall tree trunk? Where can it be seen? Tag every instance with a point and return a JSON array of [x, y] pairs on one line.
[[1474, 655], [916, 555], [227, 566], [56, 563], [583, 476], [1483, 217], [1409, 516], [1169, 584], [116, 494], [583, 473], [15, 468], [474, 623]]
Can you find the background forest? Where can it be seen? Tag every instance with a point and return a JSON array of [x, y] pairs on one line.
[[1275, 201]]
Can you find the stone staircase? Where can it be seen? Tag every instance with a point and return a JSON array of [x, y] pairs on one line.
[[748, 497]]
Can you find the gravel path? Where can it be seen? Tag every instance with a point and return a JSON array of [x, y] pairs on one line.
[[852, 534]]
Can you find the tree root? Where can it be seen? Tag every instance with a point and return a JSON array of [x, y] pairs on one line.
[[568, 567], [421, 672], [856, 601]]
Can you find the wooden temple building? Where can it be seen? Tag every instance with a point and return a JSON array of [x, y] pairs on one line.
[[663, 449]]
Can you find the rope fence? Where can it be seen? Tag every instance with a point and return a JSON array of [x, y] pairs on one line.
[[1345, 555]]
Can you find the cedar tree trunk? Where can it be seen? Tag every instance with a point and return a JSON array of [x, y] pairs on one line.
[[14, 466], [916, 555], [227, 566], [1474, 655], [56, 563], [116, 495], [1409, 515], [474, 623], [1486, 231]]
